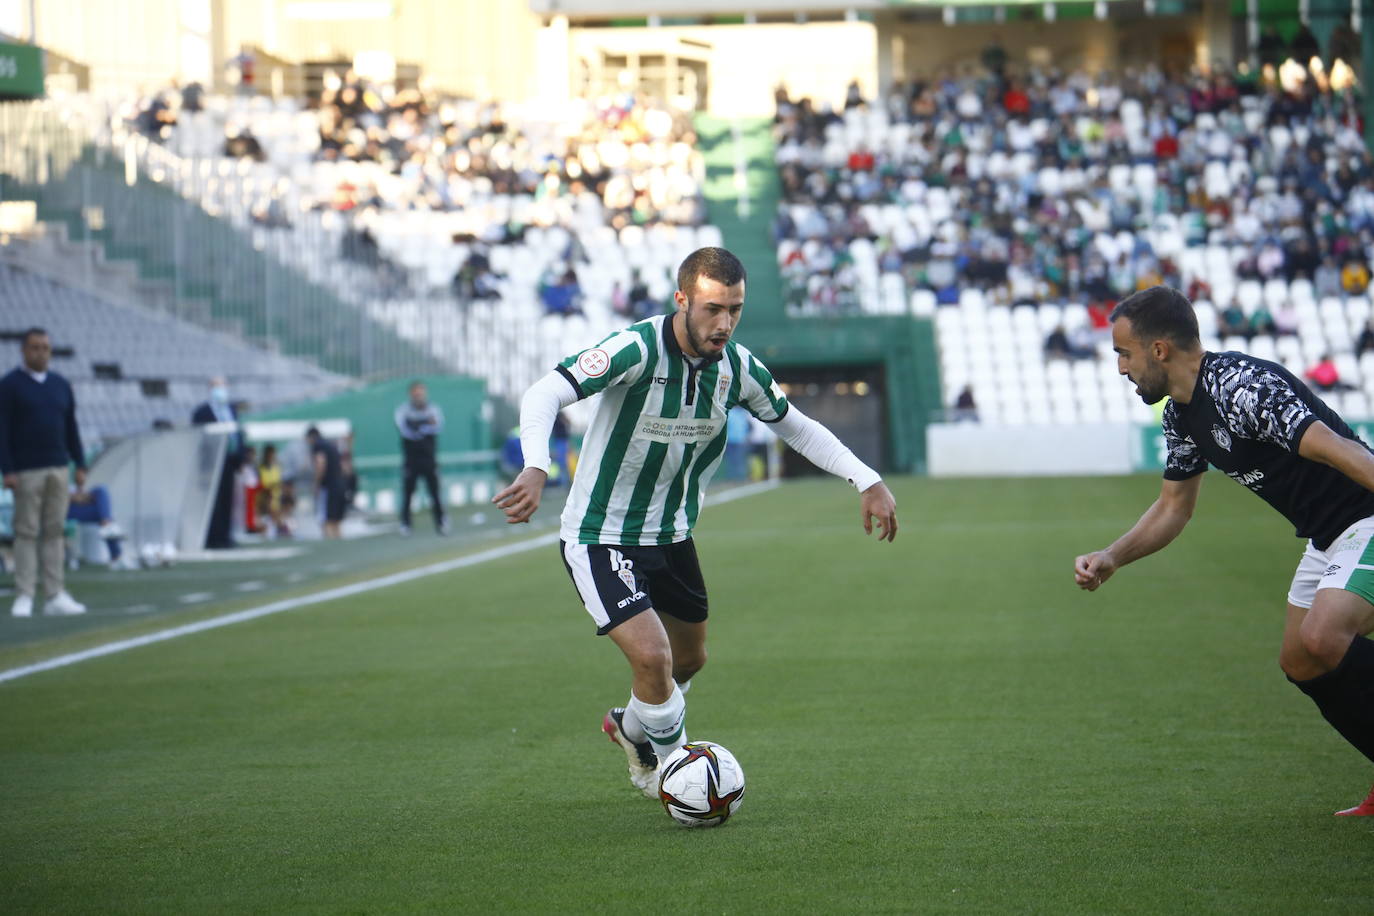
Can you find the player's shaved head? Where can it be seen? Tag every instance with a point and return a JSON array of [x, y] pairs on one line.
[[1160, 313], [714, 264]]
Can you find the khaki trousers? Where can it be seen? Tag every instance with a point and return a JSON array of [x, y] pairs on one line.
[[40, 517]]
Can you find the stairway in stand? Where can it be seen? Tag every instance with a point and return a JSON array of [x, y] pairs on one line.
[[742, 193]]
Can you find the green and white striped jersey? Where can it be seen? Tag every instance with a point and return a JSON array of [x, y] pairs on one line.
[[657, 434]]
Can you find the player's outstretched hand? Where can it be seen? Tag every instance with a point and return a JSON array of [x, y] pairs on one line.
[[877, 502], [1092, 569], [520, 500]]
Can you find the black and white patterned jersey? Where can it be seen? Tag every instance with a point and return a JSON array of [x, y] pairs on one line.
[[1246, 417]]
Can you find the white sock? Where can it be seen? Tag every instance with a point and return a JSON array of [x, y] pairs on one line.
[[630, 725], [664, 723], [685, 686]]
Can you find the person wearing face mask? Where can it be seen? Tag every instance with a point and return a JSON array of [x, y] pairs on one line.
[[218, 409]]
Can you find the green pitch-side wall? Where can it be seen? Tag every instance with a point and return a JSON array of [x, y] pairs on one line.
[[465, 446]]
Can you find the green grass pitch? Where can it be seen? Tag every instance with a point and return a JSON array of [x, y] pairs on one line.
[[942, 724]]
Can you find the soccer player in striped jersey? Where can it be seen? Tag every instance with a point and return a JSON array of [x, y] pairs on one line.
[[658, 434], [1266, 430]]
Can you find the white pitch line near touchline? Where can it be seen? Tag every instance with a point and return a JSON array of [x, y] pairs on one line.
[[329, 594]]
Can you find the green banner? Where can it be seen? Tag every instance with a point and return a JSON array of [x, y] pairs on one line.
[[21, 71], [1152, 452]]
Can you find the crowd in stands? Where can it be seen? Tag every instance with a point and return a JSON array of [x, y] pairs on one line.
[[1070, 187], [616, 161]]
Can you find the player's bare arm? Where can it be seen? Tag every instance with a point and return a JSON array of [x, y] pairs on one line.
[[1349, 456], [876, 503], [520, 500], [1160, 524]]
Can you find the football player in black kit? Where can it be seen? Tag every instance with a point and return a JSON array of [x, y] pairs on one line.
[[1255, 421]]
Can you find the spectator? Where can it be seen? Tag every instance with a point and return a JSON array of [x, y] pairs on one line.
[[217, 408], [965, 408], [348, 471], [1232, 322], [270, 486], [419, 422], [620, 301], [1354, 277], [1326, 280], [192, 97], [39, 440], [1324, 376], [247, 484], [93, 507], [476, 279], [1365, 342], [1059, 346], [563, 297], [331, 500], [1286, 319], [1261, 322], [239, 143]]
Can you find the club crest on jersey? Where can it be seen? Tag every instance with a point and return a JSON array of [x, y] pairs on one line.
[[723, 388], [594, 362], [1222, 436]]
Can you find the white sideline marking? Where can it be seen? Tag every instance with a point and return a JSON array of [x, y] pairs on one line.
[[329, 594]]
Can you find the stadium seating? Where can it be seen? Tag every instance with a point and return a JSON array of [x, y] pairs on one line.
[[130, 367], [878, 203], [301, 207]]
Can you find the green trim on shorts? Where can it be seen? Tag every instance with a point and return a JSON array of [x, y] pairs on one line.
[[1361, 581]]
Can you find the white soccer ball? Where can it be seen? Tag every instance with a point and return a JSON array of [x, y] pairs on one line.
[[701, 784]]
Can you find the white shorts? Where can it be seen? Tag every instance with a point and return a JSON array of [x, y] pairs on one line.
[[1348, 563]]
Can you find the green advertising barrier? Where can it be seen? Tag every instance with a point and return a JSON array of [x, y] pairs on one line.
[[1151, 452], [466, 455], [21, 71]]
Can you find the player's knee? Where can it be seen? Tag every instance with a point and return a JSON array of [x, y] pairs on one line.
[[1325, 639], [1297, 663], [653, 664]]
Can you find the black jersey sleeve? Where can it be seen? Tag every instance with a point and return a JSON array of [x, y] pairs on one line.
[[1260, 404], [1184, 459]]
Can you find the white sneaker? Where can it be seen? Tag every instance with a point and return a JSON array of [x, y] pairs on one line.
[[64, 605], [23, 606]]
